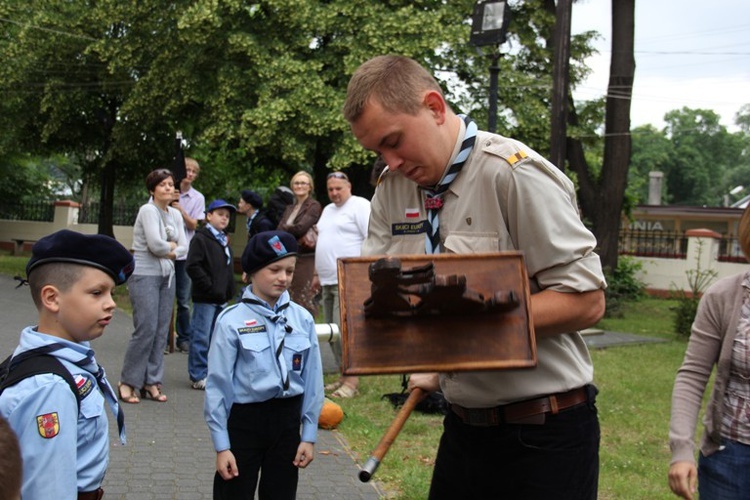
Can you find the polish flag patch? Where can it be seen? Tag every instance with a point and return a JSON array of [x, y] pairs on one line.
[[251, 322], [79, 380], [412, 213]]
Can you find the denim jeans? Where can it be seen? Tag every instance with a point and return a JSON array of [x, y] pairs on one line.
[[183, 289], [724, 474], [558, 459], [204, 317]]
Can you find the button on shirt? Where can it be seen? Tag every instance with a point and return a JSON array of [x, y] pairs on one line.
[[245, 338], [75, 454]]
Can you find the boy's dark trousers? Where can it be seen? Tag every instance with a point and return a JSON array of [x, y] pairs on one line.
[[263, 437]]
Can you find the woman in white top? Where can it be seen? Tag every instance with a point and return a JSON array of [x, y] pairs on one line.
[[158, 239]]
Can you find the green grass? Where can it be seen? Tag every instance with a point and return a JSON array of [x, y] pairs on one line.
[[634, 405]]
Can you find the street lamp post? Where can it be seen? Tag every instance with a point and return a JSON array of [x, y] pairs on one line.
[[488, 27]]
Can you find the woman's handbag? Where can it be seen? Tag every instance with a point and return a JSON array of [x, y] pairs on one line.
[[308, 240]]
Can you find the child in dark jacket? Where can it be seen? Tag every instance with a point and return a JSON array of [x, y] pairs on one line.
[[210, 266]]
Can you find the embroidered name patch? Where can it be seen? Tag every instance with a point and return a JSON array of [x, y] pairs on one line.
[[251, 329], [48, 425], [409, 227], [297, 362], [85, 386]]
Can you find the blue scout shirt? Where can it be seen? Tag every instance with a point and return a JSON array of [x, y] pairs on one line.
[[63, 452], [242, 366]]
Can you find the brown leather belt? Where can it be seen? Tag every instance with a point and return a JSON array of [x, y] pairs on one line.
[[524, 412], [91, 495]]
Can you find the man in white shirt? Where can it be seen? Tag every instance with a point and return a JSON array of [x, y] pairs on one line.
[[342, 228]]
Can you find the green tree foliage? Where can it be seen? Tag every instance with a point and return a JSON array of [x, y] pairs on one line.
[[700, 159], [256, 88], [652, 151]]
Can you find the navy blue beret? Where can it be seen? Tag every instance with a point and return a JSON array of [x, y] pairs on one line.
[[252, 198], [95, 250], [267, 247]]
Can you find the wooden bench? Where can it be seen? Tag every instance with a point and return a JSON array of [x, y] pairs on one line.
[[19, 244]]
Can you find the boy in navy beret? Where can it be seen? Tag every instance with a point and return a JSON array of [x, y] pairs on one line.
[[251, 206], [265, 379], [59, 415], [210, 265]]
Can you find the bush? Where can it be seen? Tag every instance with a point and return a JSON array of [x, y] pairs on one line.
[[623, 285], [687, 302]]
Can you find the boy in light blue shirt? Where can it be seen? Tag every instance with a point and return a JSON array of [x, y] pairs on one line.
[[265, 379], [64, 434]]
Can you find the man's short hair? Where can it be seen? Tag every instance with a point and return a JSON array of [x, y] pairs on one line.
[[61, 275], [396, 82], [192, 162], [11, 464]]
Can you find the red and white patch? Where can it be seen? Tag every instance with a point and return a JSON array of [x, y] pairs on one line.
[[411, 213], [48, 425], [79, 380], [251, 322]]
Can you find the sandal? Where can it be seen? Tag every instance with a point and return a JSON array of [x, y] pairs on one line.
[[344, 392], [333, 385], [130, 396], [153, 392]]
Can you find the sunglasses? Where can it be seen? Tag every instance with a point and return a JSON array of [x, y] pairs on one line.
[[337, 175]]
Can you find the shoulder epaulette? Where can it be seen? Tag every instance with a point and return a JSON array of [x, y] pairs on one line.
[[513, 159]]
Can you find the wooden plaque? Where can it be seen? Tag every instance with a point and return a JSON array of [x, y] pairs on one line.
[[482, 341]]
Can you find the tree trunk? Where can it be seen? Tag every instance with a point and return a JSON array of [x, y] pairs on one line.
[[602, 199], [106, 200], [560, 83]]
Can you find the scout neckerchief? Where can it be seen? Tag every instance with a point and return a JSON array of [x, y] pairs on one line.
[[277, 317], [221, 237], [434, 197]]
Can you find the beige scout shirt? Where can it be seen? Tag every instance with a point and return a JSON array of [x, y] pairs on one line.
[[507, 197]]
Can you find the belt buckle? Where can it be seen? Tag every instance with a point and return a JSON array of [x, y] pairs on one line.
[[480, 418], [538, 419]]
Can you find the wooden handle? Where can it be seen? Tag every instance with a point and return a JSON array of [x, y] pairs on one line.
[[368, 470]]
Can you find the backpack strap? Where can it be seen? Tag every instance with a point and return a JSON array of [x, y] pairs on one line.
[[31, 363]]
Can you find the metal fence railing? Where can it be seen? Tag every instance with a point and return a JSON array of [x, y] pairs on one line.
[[663, 244], [730, 250], [122, 215], [40, 211]]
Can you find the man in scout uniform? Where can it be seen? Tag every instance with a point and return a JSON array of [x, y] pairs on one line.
[[450, 188]]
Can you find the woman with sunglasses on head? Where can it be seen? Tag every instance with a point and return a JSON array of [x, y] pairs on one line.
[[158, 239], [297, 219]]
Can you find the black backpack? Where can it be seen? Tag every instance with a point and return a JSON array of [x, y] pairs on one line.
[[34, 362]]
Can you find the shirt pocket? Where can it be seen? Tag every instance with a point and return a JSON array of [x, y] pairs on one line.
[[467, 242], [256, 348], [295, 347], [92, 408]]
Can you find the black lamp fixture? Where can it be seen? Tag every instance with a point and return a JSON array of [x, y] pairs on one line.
[[489, 26], [489, 23]]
